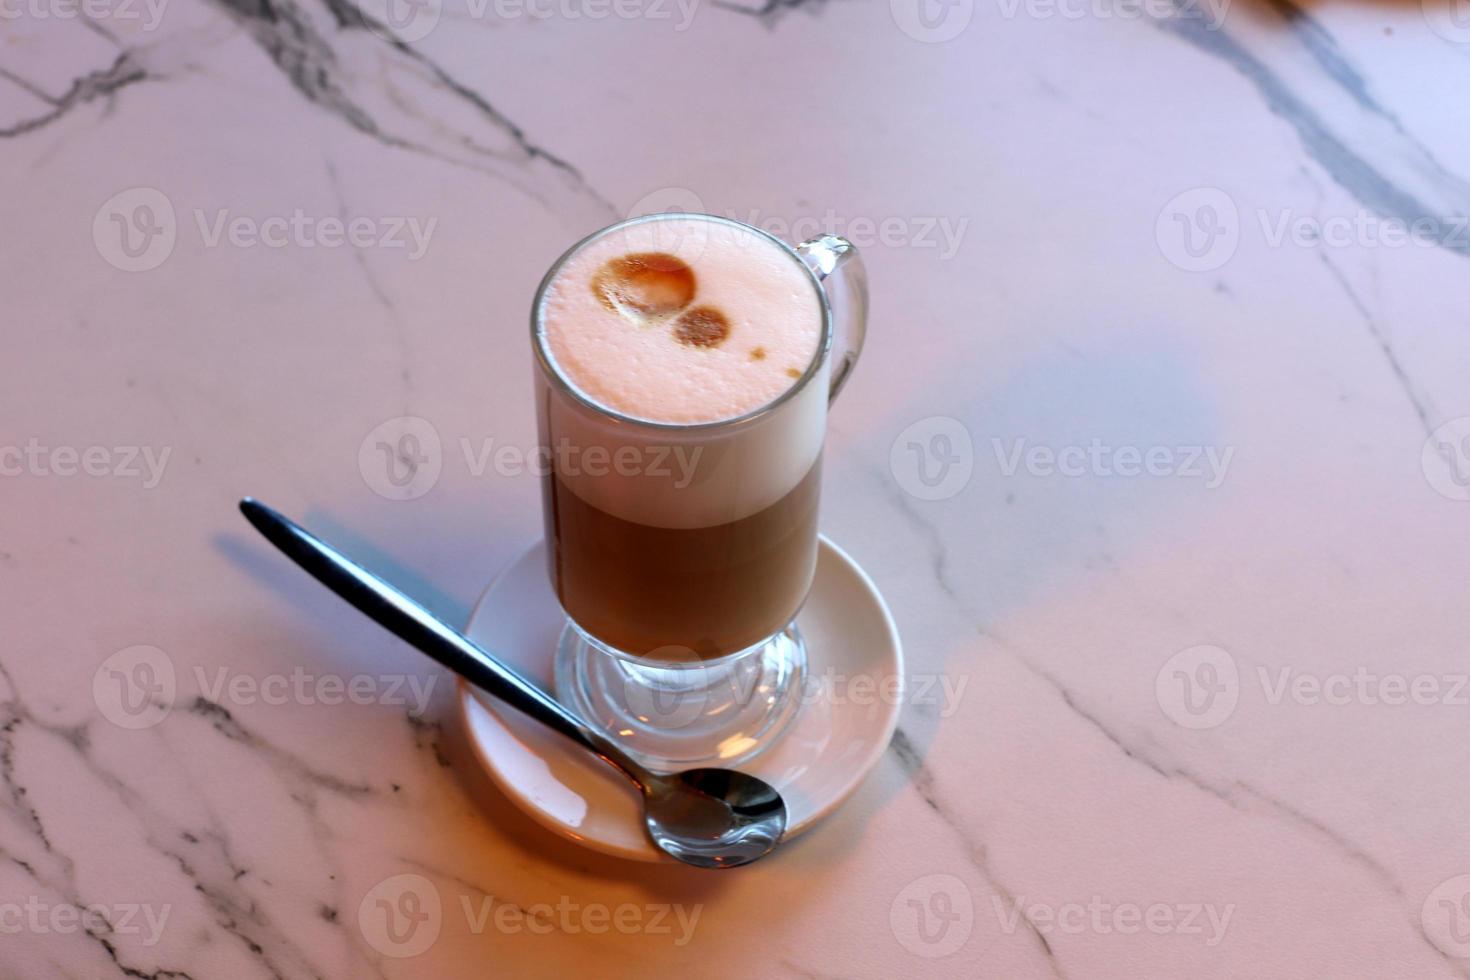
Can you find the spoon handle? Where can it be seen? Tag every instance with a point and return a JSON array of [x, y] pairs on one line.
[[415, 625]]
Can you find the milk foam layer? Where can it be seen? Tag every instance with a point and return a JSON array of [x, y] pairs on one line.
[[670, 364], [685, 477]]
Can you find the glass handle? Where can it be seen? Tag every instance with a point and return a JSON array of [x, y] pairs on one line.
[[825, 255]]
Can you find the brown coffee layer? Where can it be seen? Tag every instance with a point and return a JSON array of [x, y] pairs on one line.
[[683, 593]]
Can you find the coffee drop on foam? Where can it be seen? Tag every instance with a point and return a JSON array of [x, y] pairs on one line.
[[703, 326], [649, 283]]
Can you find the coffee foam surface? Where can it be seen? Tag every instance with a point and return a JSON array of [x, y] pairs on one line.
[[671, 364]]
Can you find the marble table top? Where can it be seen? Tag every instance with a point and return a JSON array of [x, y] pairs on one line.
[[1160, 452]]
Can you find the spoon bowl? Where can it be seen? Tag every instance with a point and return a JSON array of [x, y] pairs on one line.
[[714, 818]]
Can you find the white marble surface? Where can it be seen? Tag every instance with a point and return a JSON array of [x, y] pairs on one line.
[[249, 827]]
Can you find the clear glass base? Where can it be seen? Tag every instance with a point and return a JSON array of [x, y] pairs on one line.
[[678, 716]]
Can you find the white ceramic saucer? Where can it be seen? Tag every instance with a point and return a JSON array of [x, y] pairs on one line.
[[849, 709]]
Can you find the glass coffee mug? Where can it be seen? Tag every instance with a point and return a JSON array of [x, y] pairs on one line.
[[681, 553]]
